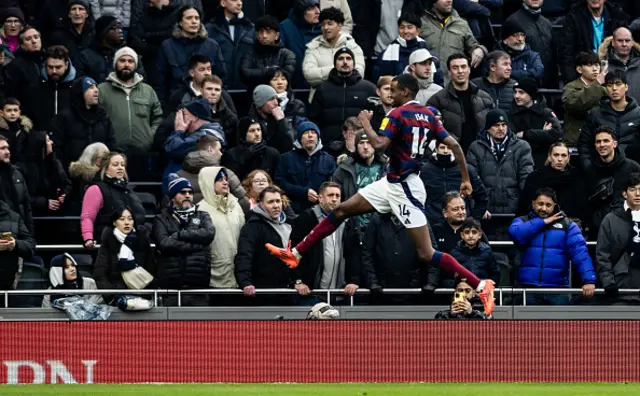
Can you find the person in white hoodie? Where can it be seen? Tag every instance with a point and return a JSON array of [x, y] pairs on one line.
[[228, 218], [64, 275], [421, 66], [318, 58]]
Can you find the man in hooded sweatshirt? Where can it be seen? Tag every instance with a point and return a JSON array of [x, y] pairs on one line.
[[422, 67], [228, 217], [302, 171], [252, 153], [85, 122], [302, 26]]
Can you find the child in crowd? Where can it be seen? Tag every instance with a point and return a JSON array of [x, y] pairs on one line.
[[14, 126], [474, 254]]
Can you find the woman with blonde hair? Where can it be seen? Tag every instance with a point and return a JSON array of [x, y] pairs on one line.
[[253, 184], [110, 190]]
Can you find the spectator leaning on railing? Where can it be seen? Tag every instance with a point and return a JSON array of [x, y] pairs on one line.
[[550, 241]]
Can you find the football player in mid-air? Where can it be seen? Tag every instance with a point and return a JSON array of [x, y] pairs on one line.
[[404, 134]]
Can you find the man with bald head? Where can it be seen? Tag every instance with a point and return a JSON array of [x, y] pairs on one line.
[[622, 54]]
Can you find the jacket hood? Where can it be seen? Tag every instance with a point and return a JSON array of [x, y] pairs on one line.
[[56, 273], [77, 101], [196, 160], [25, 123], [207, 181], [261, 213], [605, 104], [619, 158], [67, 77], [79, 170], [179, 34], [113, 79], [303, 127]]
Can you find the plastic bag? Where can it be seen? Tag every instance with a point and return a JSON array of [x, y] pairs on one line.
[[81, 308]]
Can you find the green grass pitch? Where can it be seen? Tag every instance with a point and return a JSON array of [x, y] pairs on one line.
[[491, 389]]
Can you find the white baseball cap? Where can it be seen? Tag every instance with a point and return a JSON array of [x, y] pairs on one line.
[[420, 55]]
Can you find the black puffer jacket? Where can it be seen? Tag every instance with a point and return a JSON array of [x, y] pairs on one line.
[[577, 34], [502, 95], [66, 34], [336, 100], [245, 158], [254, 265], [184, 252], [480, 261], [277, 134], [625, 125], [539, 33], [75, 128], [46, 178], [106, 271], [531, 120], [17, 197], [115, 194], [259, 58], [11, 221], [23, 72]]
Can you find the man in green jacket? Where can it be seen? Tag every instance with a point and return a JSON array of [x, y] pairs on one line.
[[582, 94], [133, 106]]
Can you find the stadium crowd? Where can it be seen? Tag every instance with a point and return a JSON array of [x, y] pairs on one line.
[[212, 127]]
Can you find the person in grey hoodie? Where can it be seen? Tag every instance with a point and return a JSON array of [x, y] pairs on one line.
[[422, 67], [255, 267]]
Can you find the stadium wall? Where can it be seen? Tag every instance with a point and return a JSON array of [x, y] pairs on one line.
[[314, 351]]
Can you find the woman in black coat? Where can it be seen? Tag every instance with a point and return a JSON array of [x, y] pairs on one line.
[[110, 263]]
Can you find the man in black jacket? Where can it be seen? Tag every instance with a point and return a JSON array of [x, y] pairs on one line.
[[267, 52], [83, 123], [20, 244], [617, 111], [578, 34], [183, 236], [77, 30], [336, 262], [279, 132], [52, 94], [533, 121], [539, 32], [252, 153], [343, 95], [25, 70], [255, 267], [498, 82], [13, 187]]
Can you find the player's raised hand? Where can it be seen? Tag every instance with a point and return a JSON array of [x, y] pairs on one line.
[[465, 189]]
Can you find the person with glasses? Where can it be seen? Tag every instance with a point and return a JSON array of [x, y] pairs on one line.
[[253, 152], [11, 28], [253, 184], [525, 62], [183, 236]]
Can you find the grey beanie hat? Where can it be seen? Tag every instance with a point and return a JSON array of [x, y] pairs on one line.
[[262, 94]]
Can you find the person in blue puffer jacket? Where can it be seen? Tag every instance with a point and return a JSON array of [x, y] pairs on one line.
[[549, 241], [302, 26]]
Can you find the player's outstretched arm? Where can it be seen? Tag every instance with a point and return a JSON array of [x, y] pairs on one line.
[[379, 142], [465, 186]]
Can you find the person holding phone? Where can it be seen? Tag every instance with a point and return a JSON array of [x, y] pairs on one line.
[[465, 305], [550, 243]]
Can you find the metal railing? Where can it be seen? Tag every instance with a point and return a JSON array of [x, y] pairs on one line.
[[500, 292]]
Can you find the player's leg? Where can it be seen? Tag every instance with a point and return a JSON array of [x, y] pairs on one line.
[[368, 199]]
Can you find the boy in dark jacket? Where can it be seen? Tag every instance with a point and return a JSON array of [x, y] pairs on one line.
[[15, 127], [474, 254]]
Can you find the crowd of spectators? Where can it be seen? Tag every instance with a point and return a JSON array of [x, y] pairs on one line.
[[246, 118]]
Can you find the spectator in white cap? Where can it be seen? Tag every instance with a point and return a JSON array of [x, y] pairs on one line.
[[423, 67], [266, 108], [132, 105]]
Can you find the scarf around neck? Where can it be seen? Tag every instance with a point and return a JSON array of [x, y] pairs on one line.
[[126, 259]]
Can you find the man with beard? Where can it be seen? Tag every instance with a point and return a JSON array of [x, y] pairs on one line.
[[183, 235], [52, 94], [621, 53], [550, 243], [24, 71], [607, 179], [13, 189], [97, 61], [421, 66], [498, 82], [134, 110], [342, 96], [524, 61], [617, 111]]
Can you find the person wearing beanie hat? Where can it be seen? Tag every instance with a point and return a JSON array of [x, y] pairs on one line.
[[183, 235], [323, 51], [13, 19], [524, 61], [77, 30], [503, 162], [530, 119], [98, 60], [252, 152], [300, 27], [498, 82], [279, 131], [133, 107], [301, 171]]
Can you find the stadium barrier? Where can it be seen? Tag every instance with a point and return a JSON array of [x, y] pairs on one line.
[[319, 351], [500, 293]]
